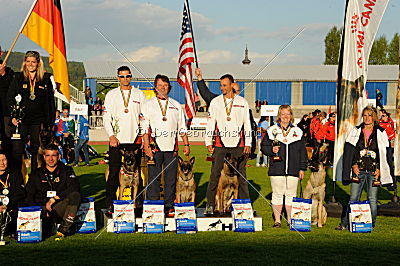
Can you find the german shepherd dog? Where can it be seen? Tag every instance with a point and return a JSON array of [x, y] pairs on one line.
[[228, 185], [185, 183], [46, 137], [315, 188]]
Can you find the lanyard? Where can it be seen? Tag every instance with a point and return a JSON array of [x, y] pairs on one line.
[[5, 184]]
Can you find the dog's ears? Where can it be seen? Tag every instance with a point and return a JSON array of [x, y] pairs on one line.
[[192, 160], [180, 160]]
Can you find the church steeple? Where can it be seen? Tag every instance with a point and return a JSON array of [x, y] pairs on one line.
[[246, 60]]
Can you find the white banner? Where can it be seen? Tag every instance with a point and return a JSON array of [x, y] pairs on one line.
[[78, 109], [269, 110], [361, 24]]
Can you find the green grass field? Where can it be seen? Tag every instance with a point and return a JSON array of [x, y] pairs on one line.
[[271, 246]]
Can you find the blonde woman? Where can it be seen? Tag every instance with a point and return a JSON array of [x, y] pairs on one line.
[[37, 97], [286, 148], [367, 160]]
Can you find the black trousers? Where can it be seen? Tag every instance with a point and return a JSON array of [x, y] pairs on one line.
[[331, 149], [170, 162], [115, 163], [29, 133], [217, 165], [5, 133], [65, 211]]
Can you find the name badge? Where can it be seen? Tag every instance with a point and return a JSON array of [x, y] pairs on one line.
[[51, 194]]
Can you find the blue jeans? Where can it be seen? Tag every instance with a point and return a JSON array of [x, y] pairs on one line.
[[81, 144], [356, 190]]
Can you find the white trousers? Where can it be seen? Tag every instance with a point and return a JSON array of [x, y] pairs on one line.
[[283, 186]]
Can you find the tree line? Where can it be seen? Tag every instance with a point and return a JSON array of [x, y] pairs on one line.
[[383, 52]]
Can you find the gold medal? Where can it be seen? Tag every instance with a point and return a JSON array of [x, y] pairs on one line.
[[5, 184], [126, 101], [163, 110], [32, 97], [5, 191], [285, 140], [228, 109]]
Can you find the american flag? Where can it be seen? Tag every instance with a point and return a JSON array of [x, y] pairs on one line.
[[186, 58]]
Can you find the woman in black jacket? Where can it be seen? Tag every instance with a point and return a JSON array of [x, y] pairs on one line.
[[367, 160], [284, 144], [36, 90]]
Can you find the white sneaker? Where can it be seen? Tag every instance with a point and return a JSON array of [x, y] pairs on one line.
[[264, 165], [257, 164]]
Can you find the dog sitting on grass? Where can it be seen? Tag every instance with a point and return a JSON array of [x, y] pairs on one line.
[[315, 188], [185, 183]]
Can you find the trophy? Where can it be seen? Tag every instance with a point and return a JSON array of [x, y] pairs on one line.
[[376, 182], [18, 112], [152, 147], [4, 219], [355, 178], [276, 143]]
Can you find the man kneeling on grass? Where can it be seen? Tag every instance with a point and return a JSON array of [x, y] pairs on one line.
[[56, 188]]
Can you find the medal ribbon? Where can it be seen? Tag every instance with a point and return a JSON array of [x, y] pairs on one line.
[[228, 110], [285, 132], [33, 84], [163, 111], [126, 102], [5, 184]]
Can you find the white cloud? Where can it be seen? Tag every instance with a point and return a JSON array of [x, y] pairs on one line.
[[217, 56]]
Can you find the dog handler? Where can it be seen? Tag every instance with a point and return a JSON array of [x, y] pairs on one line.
[[367, 160], [36, 88], [162, 120], [121, 121], [285, 145], [228, 131], [55, 188]]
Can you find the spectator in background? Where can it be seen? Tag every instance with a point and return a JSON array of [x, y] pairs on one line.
[[329, 134], [87, 94], [91, 106], [197, 101], [263, 125], [387, 123], [264, 102], [378, 99], [304, 125], [82, 142], [66, 129], [318, 128], [258, 105]]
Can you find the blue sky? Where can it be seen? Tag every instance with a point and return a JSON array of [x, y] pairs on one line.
[[148, 31]]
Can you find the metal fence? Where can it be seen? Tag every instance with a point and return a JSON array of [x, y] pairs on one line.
[[96, 121]]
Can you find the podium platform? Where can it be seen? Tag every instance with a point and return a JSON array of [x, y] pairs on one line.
[[204, 224]]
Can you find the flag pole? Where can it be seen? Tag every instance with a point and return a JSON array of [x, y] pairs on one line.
[[19, 32], [191, 29]]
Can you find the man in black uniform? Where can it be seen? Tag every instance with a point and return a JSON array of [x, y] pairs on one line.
[[207, 96], [6, 76], [55, 188]]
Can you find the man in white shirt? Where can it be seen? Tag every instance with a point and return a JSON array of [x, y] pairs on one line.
[[228, 131], [121, 121], [162, 120]]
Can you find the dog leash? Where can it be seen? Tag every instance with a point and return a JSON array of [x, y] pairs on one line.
[[301, 189]]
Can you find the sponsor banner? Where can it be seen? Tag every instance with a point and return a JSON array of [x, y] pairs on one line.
[[153, 216], [362, 20], [124, 216], [185, 218], [242, 214], [300, 219], [29, 225], [86, 217], [360, 217]]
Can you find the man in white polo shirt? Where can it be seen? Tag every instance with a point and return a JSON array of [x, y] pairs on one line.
[[162, 120], [121, 121], [228, 131]]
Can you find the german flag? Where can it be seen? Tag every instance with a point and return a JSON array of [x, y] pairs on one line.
[[45, 27]]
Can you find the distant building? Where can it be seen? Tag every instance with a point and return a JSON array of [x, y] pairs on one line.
[[246, 60], [304, 87]]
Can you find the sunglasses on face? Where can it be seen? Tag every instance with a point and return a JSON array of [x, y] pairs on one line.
[[384, 115], [125, 76]]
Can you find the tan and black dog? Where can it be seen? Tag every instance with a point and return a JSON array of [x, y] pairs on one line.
[[315, 188], [129, 175], [228, 185], [185, 183]]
